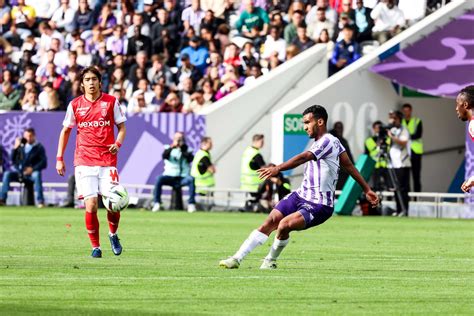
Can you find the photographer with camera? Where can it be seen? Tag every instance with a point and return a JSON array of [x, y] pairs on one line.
[[177, 157], [29, 159], [399, 159], [376, 147]]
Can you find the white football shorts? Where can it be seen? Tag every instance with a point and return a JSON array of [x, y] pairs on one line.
[[91, 181]]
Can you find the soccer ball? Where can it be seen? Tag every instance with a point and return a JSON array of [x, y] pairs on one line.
[[117, 199]]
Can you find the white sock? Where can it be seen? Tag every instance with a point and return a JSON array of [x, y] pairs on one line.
[[277, 247], [256, 238]]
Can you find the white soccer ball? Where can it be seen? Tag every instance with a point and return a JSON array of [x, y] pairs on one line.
[[116, 199]]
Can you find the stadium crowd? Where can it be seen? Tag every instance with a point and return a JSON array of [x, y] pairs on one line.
[[176, 55]]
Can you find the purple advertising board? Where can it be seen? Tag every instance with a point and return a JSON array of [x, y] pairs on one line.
[[139, 161]]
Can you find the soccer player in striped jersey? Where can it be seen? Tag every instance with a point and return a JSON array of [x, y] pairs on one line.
[[464, 106], [313, 203]]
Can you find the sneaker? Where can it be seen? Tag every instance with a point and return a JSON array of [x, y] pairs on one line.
[[115, 243], [402, 214], [191, 208], [156, 207], [40, 205], [96, 253], [230, 263], [268, 264]]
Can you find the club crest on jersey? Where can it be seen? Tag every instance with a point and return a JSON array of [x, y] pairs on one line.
[[103, 109]]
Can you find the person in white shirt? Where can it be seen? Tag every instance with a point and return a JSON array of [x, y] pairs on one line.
[[389, 20], [319, 24], [274, 43], [413, 11], [400, 159], [63, 18], [192, 16], [44, 8], [331, 14]]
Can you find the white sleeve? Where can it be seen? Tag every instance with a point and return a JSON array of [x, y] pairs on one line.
[[70, 118], [119, 114]]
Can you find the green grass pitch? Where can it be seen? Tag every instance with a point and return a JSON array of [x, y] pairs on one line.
[[370, 266]]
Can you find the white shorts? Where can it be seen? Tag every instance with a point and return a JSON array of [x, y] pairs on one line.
[[91, 181]]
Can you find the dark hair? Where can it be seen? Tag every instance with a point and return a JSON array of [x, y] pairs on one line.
[[92, 69], [30, 130], [407, 105], [397, 113], [318, 111], [257, 137], [468, 94], [299, 12], [376, 123]]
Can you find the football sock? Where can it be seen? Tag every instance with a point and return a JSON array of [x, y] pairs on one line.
[[92, 226], [277, 247], [256, 238], [114, 219]]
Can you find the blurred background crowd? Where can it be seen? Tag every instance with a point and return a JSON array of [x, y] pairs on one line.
[[178, 55]]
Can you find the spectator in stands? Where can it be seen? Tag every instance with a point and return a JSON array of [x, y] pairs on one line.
[[302, 41], [345, 52], [84, 19], [248, 56], [29, 159], [330, 13], [138, 21], [160, 94], [202, 168], [107, 21], [344, 20], [117, 43], [319, 24], [363, 21], [413, 11], [338, 132], [177, 157], [30, 102], [163, 23], [172, 104], [185, 93], [290, 29], [187, 70], [141, 62], [291, 51], [139, 105], [274, 43], [198, 54], [210, 21], [44, 9], [198, 103], [253, 22], [23, 18], [208, 91], [226, 89], [389, 20], [254, 72], [217, 7], [5, 10], [63, 18], [9, 97], [192, 16]]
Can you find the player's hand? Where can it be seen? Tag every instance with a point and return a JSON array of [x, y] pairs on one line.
[[113, 149], [372, 197], [60, 168], [265, 173], [467, 185]]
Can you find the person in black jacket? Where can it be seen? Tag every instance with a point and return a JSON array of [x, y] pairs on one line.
[[29, 159], [364, 22]]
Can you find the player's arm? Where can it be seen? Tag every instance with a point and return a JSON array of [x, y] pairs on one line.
[[351, 169], [120, 138], [63, 140], [265, 173]]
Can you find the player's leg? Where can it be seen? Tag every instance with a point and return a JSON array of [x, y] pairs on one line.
[[256, 238], [260, 235], [87, 179], [108, 176], [308, 215]]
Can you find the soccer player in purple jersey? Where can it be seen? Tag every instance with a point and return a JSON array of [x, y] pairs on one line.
[[313, 203]]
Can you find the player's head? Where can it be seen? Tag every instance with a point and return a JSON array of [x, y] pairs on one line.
[[315, 119], [257, 141], [465, 103], [206, 143], [30, 135], [91, 80]]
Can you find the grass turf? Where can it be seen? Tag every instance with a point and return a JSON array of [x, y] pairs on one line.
[[170, 266]]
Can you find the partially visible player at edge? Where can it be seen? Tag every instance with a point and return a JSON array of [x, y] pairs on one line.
[[313, 203], [95, 159], [464, 107]]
